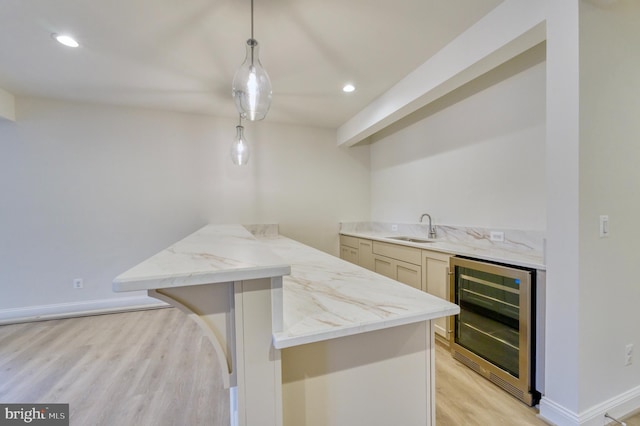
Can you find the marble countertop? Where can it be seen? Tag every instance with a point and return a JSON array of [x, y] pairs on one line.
[[213, 254], [324, 297], [497, 252]]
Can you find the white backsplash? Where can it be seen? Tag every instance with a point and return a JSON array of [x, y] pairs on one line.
[[263, 230], [514, 240]]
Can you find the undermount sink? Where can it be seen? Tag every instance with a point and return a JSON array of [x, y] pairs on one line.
[[412, 239]]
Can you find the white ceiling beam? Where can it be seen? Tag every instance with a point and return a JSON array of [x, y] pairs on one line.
[[508, 30], [7, 105]]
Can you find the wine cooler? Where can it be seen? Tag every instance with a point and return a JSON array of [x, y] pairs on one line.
[[494, 334]]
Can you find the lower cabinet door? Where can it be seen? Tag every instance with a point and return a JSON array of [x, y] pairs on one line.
[[436, 268], [365, 254], [406, 273], [384, 266], [409, 274]]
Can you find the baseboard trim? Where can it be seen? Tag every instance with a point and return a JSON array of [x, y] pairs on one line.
[[556, 414], [620, 406], [78, 309]]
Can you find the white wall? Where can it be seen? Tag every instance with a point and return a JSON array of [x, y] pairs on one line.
[[307, 184], [476, 157], [560, 403], [7, 105], [89, 191], [592, 169], [609, 184]]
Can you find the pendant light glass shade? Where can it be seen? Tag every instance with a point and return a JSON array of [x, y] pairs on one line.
[[240, 147], [252, 86]]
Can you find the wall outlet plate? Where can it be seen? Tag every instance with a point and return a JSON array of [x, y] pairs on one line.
[[604, 226], [394, 227], [496, 236], [628, 354]]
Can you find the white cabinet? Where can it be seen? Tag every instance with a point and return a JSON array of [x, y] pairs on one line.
[[384, 266], [399, 262], [349, 248], [435, 275], [349, 254], [409, 274], [358, 251], [398, 270], [426, 270], [365, 254]]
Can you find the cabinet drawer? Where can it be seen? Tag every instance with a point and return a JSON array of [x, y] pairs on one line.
[[444, 257], [399, 252], [349, 254], [346, 240]]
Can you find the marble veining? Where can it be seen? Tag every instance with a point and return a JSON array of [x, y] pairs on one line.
[[523, 248], [323, 297], [263, 230], [326, 297], [215, 253]]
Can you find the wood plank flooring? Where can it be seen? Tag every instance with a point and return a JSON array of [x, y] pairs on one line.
[[155, 368], [138, 368], [463, 397]]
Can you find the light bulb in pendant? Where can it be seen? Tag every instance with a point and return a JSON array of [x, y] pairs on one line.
[[252, 86], [240, 150]]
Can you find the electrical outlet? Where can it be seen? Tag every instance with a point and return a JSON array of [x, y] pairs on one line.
[[394, 227], [628, 354], [497, 236], [78, 283]]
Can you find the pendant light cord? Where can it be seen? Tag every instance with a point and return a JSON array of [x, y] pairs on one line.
[[253, 41]]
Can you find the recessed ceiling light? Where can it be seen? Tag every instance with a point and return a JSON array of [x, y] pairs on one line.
[[66, 40], [348, 88]]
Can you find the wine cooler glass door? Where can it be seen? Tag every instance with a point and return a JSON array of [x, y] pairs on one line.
[[493, 323]]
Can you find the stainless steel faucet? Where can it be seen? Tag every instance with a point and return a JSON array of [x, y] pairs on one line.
[[432, 229]]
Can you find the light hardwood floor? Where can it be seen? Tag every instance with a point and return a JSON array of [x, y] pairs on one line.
[[155, 368], [138, 368], [463, 397]]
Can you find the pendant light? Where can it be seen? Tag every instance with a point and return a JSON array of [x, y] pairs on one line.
[[251, 84], [240, 147]]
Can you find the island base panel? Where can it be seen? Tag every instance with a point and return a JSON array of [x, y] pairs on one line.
[[258, 362], [380, 378]]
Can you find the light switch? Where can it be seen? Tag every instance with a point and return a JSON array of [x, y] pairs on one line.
[[604, 226]]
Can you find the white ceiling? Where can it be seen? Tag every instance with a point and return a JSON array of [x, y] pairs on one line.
[[181, 55]]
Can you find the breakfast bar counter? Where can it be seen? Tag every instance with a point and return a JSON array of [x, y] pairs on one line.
[[302, 337]]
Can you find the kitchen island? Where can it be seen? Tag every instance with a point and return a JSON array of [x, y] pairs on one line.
[[303, 338]]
